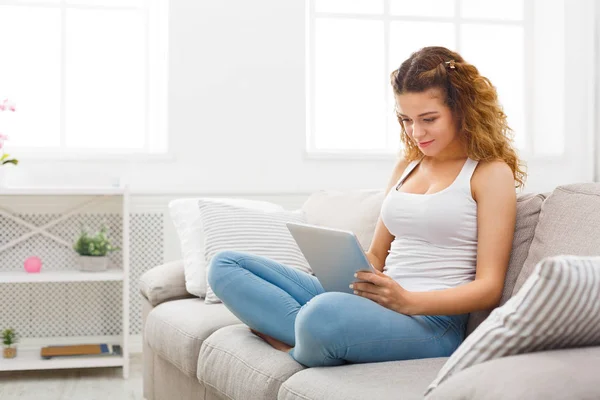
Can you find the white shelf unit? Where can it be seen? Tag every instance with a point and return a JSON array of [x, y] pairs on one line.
[[28, 358], [61, 276], [28, 352]]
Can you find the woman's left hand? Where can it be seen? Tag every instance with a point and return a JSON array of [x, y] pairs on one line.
[[383, 290]]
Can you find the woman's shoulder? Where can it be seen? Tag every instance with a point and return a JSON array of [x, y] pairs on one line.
[[489, 168], [491, 176], [399, 168]]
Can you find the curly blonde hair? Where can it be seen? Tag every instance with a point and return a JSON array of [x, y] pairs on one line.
[[472, 99]]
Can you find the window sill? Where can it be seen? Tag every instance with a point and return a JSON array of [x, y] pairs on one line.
[[381, 156], [93, 157], [349, 155]]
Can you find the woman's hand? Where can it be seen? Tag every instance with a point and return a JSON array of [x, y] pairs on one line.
[[383, 290]]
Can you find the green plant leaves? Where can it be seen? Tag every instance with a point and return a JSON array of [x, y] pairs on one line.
[[97, 245], [9, 337], [4, 160]]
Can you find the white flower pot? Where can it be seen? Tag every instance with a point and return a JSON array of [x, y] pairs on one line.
[[93, 264]]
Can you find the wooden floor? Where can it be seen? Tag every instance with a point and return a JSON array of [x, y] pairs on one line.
[[74, 384]]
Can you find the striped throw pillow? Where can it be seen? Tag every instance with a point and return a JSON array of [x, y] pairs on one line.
[[264, 233], [557, 307]]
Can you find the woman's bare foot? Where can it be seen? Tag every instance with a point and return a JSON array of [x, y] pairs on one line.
[[272, 341]]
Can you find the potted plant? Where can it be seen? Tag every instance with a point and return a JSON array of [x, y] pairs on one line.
[[9, 339], [5, 159], [93, 250]]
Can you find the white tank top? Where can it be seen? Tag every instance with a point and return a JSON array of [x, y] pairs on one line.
[[435, 244]]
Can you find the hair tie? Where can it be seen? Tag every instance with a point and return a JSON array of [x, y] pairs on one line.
[[451, 64]]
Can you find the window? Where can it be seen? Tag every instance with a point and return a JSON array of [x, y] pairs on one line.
[[87, 76], [353, 46]]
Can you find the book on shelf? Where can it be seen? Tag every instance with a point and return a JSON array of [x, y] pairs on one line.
[[80, 350]]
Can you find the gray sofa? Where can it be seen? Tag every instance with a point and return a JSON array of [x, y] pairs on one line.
[[198, 351]]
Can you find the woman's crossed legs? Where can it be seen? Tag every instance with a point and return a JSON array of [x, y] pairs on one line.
[[325, 328]]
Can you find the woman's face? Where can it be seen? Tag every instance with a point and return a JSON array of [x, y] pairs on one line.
[[427, 120]]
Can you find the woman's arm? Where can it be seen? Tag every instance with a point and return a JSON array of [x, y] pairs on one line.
[[493, 188], [382, 238]]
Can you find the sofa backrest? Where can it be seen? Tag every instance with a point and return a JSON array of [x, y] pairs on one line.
[[569, 223], [353, 210]]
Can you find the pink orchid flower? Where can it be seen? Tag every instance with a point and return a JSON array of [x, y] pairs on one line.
[[8, 105]]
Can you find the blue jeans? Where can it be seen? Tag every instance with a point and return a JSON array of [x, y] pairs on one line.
[[325, 328]]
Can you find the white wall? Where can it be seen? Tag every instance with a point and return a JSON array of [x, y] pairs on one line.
[[237, 112], [236, 105]]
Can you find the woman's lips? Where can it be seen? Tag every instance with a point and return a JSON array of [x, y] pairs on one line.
[[425, 144]]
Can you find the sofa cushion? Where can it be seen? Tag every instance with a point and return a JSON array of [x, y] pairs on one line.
[[549, 375], [569, 223], [528, 211], [176, 329], [239, 365], [353, 210], [393, 380]]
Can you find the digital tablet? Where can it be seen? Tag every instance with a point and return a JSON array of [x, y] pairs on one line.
[[334, 255]]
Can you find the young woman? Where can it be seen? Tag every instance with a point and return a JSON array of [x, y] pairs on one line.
[[441, 246]]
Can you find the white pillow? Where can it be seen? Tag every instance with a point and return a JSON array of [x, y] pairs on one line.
[[557, 307], [186, 218], [259, 232]]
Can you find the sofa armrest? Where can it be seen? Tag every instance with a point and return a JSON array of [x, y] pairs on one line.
[[164, 283], [554, 374]]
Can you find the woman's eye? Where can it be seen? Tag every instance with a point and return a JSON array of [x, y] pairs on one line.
[[429, 119], [405, 120]]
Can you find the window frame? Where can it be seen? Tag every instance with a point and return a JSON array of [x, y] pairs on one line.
[[156, 15], [310, 151]]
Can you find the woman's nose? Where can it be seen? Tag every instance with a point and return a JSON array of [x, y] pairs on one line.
[[418, 132]]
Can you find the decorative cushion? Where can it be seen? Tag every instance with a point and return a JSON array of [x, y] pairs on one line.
[[186, 218], [568, 224], [352, 210], [558, 307], [528, 212], [230, 227]]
